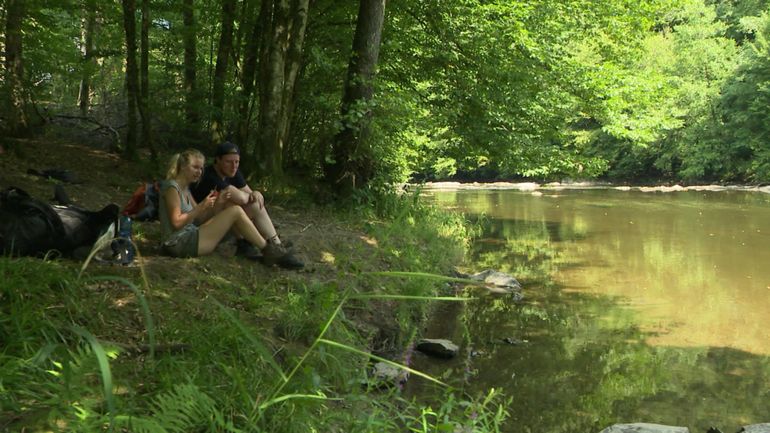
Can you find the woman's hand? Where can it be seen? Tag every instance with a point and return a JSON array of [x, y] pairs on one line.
[[208, 202]]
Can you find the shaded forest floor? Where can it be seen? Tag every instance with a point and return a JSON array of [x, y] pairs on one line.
[[329, 246], [201, 305], [102, 178]]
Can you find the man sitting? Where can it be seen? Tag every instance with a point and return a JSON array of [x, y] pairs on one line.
[[223, 176]]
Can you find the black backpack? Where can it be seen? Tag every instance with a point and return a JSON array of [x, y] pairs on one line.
[[30, 227]]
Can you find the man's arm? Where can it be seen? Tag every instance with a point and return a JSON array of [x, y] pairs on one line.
[[244, 196], [240, 192], [254, 196]]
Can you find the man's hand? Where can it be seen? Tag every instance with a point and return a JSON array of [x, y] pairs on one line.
[[256, 197]]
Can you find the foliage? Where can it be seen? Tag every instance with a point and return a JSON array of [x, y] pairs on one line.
[[744, 103], [182, 409], [485, 413], [654, 89]]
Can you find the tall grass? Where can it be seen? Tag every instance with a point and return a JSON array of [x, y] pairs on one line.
[[267, 358]]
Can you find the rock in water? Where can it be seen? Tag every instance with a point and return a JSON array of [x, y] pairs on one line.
[[388, 374], [497, 279], [438, 348]]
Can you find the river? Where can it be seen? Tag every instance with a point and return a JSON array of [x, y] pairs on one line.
[[639, 307]]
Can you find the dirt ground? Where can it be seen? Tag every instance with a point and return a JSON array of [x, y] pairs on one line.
[[101, 178], [331, 249]]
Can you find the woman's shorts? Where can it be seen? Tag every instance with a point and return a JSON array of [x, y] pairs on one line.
[[182, 243]]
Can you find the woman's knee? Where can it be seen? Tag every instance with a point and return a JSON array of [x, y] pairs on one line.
[[234, 212]]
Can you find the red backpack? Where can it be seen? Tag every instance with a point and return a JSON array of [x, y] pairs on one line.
[[143, 204]]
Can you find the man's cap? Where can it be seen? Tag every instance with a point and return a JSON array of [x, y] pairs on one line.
[[227, 148]]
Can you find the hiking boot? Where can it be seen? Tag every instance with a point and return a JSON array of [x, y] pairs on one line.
[[246, 250], [284, 243], [278, 255], [271, 253], [288, 261]]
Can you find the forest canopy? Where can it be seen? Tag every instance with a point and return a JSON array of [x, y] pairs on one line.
[[370, 93]]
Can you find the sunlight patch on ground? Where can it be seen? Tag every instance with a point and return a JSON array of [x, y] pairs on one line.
[[327, 257], [370, 241], [122, 302]]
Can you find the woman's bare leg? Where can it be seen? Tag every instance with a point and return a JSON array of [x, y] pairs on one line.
[[233, 217]]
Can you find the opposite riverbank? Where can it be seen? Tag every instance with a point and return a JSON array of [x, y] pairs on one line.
[[557, 186]]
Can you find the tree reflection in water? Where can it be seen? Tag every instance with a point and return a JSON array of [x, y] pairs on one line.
[[581, 359]]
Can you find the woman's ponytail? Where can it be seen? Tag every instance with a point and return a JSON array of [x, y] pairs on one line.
[[180, 160]]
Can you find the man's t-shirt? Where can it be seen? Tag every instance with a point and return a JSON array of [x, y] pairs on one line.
[[210, 181]]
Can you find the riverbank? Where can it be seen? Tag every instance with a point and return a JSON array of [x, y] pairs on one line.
[[219, 343], [557, 186]]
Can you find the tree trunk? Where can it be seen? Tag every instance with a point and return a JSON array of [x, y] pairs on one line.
[[190, 69], [132, 81], [144, 106], [281, 58], [292, 69], [352, 166], [18, 124], [248, 76], [87, 50], [269, 147], [246, 21], [220, 70]]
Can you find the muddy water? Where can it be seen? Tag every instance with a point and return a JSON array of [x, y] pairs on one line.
[[650, 307]]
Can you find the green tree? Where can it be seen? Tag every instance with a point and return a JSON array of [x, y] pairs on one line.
[[18, 123], [285, 23], [132, 76], [87, 48], [144, 96], [745, 100], [352, 165], [189, 34]]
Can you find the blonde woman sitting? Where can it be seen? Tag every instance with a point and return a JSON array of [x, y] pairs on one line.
[[190, 229]]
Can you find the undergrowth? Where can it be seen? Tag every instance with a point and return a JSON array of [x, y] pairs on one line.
[[129, 353]]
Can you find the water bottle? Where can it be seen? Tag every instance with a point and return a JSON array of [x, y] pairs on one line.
[[124, 227], [122, 247]]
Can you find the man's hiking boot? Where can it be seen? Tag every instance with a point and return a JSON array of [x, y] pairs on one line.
[[278, 255], [288, 261], [246, 250], [284, 242]]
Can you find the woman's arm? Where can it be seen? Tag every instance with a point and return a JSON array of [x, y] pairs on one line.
[[220, 201], [174, 209]]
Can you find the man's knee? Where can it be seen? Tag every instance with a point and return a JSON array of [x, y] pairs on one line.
[[253, 210]]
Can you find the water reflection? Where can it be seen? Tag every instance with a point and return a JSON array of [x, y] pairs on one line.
[[640, 307]]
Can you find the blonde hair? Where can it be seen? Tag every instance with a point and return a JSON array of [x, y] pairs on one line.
[[180, 160]]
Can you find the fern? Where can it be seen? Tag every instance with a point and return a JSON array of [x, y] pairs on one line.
[[184, 409], [139, 425]]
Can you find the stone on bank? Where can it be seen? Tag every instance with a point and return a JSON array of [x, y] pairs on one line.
[[644, 428]]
